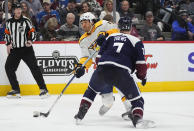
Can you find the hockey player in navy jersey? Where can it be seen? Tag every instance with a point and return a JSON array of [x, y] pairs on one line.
[[92, 29], [120, 55]]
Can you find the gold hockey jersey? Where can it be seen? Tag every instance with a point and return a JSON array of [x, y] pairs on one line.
[[88, 38]]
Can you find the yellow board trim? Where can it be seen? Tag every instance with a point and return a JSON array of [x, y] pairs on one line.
[[79, 88]]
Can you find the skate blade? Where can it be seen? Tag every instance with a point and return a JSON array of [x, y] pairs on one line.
[[144, 124], [125, 116], [13, 96], [78, 121], [44, 96]]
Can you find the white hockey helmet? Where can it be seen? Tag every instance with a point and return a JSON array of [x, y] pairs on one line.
[[87, 16]]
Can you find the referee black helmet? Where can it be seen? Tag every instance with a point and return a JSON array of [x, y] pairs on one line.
[[16, 5]]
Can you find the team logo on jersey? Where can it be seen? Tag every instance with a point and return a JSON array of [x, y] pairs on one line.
[[21, 29], [56, 65]]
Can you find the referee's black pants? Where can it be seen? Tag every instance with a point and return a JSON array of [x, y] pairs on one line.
[[27, 55]]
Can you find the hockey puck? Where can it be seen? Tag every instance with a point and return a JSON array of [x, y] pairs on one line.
[[36, 114]]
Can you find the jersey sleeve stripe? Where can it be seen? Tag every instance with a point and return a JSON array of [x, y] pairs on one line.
[[140, 62]]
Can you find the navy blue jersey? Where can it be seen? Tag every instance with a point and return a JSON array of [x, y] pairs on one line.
[[122, 50]]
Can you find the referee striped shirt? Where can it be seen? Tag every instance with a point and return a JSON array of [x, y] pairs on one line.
[[19, 31]]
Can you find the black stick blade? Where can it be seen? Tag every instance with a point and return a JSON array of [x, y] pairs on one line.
[[44, 114]]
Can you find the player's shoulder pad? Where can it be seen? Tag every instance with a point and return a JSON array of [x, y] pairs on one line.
[[114, 34], [99, 23], [108, 23], [134, 40], [82, 37]]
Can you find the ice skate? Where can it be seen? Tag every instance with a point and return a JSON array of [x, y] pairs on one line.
[[125, 116], [143, 124], [77, 120], [13, 94], [138, 122], [44, 93], [107, 100], [81, 113]]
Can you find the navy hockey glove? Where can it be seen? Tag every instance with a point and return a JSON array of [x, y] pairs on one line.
[[101, 38], [79, 71]]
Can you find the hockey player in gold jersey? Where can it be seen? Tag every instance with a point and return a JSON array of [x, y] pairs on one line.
[[92, 30]]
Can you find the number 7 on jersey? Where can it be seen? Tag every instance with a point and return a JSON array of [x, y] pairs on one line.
[[119, 46]]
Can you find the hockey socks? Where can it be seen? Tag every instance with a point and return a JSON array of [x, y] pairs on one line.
[[83, 109], [85, 104]]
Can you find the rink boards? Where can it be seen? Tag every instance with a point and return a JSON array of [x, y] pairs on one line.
[[170, 67]]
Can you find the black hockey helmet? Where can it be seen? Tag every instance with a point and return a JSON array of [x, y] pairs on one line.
[[124, 23], [16, 5]]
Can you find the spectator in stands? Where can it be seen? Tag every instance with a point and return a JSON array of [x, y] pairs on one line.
[[29, 14], [60, 3], [43, 16], [182, 29], [108, 18], [165, 14], [26, 11], [71, 8], [49, 32], [85, 7], [191, 19], [187, 5], [125, 11], [56, 4], [95, 6], [2, 25], [108, 9], [150, 31], [69, 31], [9, 9], [34, 5], [143, 6], [101, 2]]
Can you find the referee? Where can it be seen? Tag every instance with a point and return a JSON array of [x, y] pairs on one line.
[[19, 37]]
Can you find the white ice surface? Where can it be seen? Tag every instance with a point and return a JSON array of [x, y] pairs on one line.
[[172, 111]]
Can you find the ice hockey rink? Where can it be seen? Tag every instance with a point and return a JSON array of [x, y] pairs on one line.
[[170, 110]]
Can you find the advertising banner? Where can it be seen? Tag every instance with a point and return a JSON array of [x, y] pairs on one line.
[[169, 63]]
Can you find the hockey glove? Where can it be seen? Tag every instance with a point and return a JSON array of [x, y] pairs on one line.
[[97, 59], [143, 82], [141, 72], [101, 38], [79, 70]]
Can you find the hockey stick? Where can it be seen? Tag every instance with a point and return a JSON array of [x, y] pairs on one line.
[[37, 114]]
